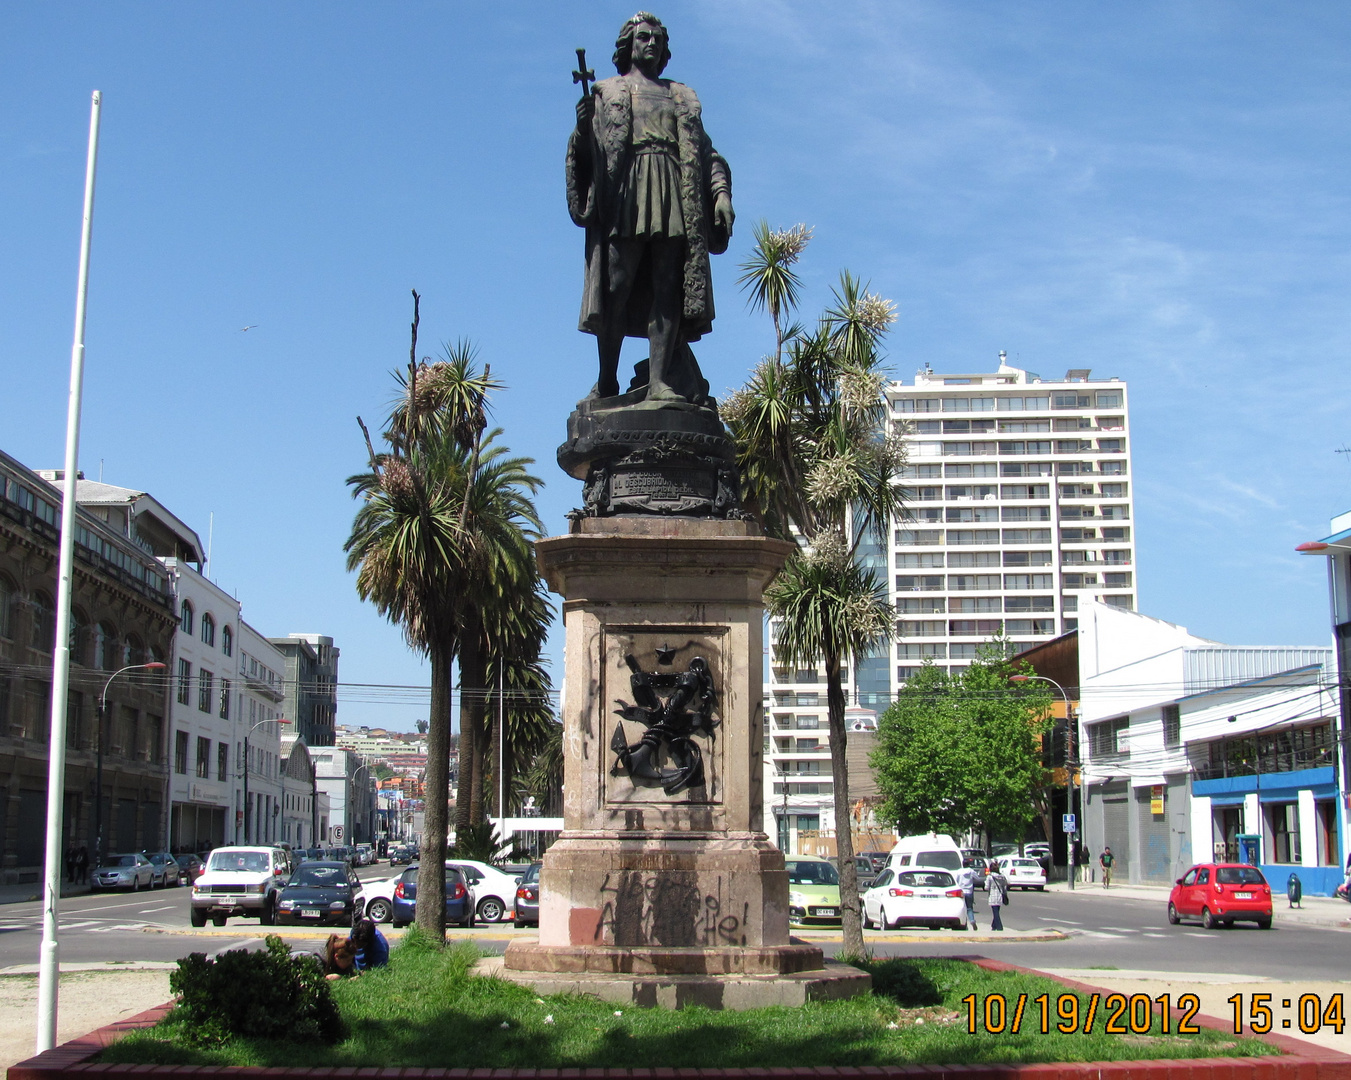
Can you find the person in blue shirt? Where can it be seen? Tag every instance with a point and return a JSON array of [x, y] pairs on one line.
[[372, 948]]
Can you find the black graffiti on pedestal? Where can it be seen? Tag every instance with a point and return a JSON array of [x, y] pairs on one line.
[[646, 909]]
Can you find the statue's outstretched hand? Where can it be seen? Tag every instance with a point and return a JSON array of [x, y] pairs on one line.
[[723, 214]]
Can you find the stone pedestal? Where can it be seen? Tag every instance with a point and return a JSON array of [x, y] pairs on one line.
[[643, 884]]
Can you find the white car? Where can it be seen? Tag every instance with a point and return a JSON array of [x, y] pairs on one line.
[[378, 897], [495, 890], [1023, 873], [920, 896]]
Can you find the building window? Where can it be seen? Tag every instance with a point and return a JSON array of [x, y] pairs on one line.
[[208, 629], [184, 680], [1172, 726], [44, 622], [222, 761], [185, 618], [1282, 820], [133, 652], [181, 752], [204, 758], [227, 641], [1110, 739], [225, 699], [7, 606], [204, 680]]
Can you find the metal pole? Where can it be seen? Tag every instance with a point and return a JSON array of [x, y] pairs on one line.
[[246, 786], [1069, 776], [49, 958]]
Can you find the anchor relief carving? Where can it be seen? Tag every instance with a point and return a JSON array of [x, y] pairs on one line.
[[672, 707]]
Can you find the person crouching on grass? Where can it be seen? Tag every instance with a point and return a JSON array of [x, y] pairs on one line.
[[339, 957], [372, 950]]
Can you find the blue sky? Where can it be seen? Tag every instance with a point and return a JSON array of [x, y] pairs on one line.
[[1157, 191]]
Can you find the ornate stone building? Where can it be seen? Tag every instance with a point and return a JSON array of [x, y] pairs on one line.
[[122, 614]]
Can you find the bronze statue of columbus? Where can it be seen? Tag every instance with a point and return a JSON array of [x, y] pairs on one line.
[[655, 200]]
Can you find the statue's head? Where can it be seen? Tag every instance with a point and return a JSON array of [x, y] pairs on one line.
[[645, 20]]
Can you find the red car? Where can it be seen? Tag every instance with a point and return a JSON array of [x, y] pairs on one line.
[[1220, 894]]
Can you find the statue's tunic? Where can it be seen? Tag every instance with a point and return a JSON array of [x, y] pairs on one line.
[[647, 172]]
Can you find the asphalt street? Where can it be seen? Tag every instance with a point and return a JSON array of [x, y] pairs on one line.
[[1103, 931]]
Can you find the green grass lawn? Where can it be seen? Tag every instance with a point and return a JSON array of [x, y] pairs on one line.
[[426, 1010]]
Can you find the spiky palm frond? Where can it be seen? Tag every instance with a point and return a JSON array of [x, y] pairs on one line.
[[447, 397], [827, 605], [768, 277]]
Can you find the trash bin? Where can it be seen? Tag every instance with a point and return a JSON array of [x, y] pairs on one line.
[[1294, 891], [1249, 848]]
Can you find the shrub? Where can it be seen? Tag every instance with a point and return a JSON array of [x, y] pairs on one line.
[[267, 994]]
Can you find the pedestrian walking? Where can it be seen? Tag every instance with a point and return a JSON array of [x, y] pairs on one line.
[[966, 878], [82, 865], [70, 863], [998, 886], [1106, 861]]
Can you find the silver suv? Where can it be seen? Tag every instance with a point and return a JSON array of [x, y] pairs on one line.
[[240, 881]]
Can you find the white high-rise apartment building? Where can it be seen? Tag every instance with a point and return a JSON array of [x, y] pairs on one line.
[[1019, 493], [1019, 490]]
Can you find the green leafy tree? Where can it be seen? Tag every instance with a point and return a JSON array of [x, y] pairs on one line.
[[818, 467], [960, 751]]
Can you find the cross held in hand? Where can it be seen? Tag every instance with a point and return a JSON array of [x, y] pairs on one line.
[[584, 74]]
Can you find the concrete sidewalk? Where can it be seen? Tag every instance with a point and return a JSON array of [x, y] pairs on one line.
[[32, 890], [1322, 911]]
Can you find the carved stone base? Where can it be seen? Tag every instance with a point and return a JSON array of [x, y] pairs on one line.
[[663, 458], [832, 981]]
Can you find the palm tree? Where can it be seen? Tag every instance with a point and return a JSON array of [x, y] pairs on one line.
[[818, 470], [439, 511], [403, 544], [500, 583]]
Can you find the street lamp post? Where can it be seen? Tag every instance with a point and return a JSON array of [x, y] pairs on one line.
[[154, 665], [274, 720], [352, 782], [1071, 755]]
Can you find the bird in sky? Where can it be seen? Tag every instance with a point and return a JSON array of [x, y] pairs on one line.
[[243, 328]]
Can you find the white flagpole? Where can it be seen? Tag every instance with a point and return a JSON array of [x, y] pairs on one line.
[[49, 959]]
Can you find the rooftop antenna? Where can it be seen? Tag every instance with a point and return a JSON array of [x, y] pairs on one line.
[[210, 535], [100, 470], [1344, 449]]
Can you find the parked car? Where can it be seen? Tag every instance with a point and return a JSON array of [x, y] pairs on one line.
[[365, 855], [929, 849], [129, 871], [1041, 851], [813, 891], [321, 892], [378, 897], [166, 869], [239, 881], [190, 867], [1220, 894], [527, 897], [920, 897], [494, 891], [1024, 872], [977, 861], [459, 898], [878, 859]]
